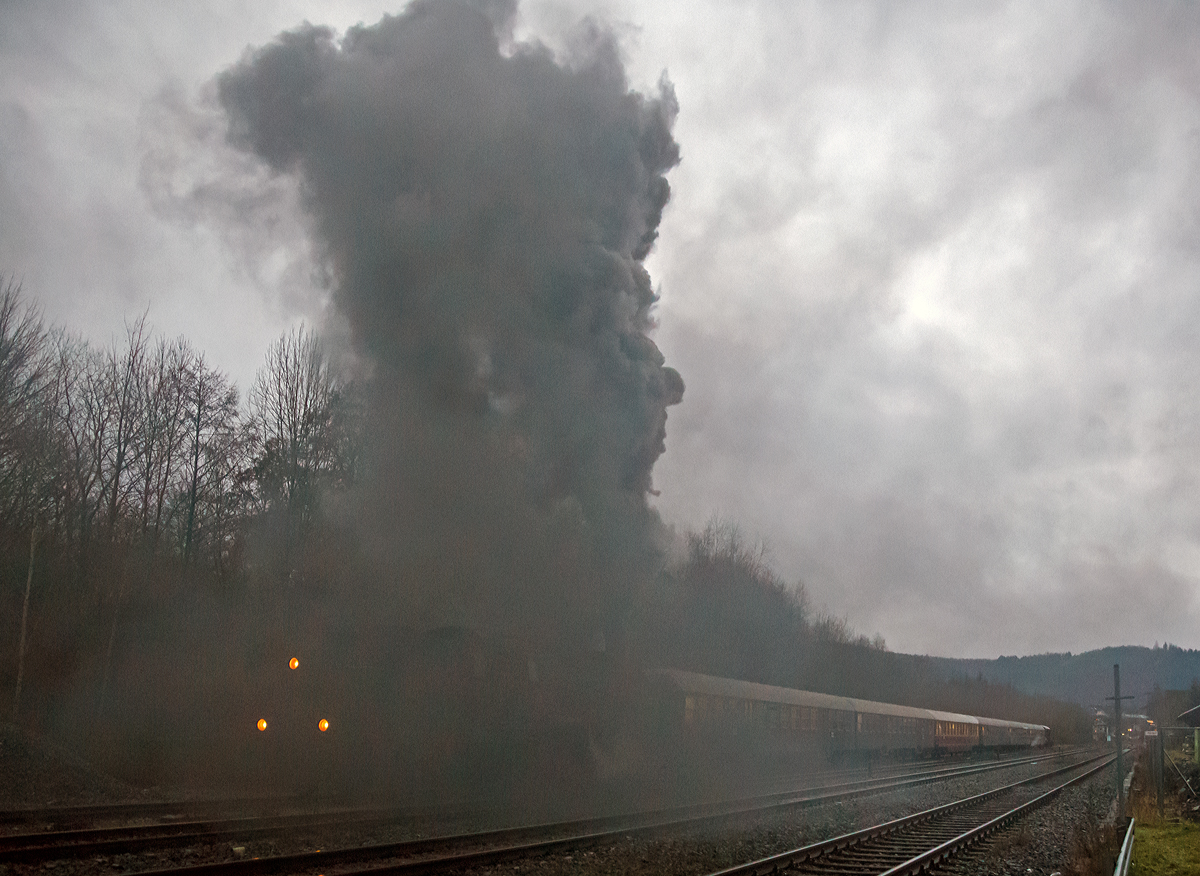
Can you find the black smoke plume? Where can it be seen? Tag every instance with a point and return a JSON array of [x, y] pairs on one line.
[[484, 209]]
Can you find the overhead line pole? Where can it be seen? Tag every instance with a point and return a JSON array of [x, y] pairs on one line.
[[1116, 698]]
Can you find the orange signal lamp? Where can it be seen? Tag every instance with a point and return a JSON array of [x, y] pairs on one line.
[[322, 725], [293, 663], [262, 723]]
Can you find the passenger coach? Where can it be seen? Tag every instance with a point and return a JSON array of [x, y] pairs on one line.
[[840, 725]]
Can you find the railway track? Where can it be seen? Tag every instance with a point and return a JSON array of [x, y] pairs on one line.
[[440, 852], [79, 817], [917, 843]]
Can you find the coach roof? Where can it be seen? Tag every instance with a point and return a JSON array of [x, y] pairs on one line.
[[711, 685]]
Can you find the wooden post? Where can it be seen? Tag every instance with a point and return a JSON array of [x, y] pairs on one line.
[[24, 623]]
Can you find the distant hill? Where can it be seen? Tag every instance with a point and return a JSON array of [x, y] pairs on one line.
[[1085, 678]]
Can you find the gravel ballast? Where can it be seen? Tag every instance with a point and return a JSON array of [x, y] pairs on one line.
[[699, 852], [690, 851]]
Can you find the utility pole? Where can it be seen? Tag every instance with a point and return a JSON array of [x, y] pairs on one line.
[[1160, 768], [1116, 698], [24, 623]]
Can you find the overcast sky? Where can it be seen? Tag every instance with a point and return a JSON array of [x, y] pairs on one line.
[[931, 273]]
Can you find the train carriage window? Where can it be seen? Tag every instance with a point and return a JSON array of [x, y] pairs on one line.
[[843, 721]]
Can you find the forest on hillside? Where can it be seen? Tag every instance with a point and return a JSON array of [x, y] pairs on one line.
[[1087, 678], [724, 611]]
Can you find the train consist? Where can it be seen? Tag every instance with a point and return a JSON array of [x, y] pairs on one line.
[[840, 727], [453, 709]]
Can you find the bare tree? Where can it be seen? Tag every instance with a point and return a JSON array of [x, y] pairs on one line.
[[292, 405], [122, 377], [216, 456], [24, 375], [164, 388], [85, 423]]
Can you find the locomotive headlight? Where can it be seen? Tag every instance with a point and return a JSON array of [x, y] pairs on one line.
[[262, 723], [293, 663], [322, 725]]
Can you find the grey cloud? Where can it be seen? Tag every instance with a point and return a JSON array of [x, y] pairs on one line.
[[966, 362]]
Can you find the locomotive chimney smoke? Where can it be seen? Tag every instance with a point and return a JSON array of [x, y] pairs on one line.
[[485, 209]]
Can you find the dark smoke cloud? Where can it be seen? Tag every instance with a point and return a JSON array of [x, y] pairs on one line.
[[485, 209]]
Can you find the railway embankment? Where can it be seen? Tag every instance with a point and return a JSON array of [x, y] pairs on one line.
[[1166, 844], [34, 772]]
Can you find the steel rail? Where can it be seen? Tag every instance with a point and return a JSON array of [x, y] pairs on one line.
[[926, 860], [59, 845], [88, 814], [811, 853], [440, 853], [27, 848]]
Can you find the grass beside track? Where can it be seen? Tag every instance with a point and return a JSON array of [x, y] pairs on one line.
[[1166, 850]]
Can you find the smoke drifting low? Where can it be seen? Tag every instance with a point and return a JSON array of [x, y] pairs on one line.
[[484, 209]]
